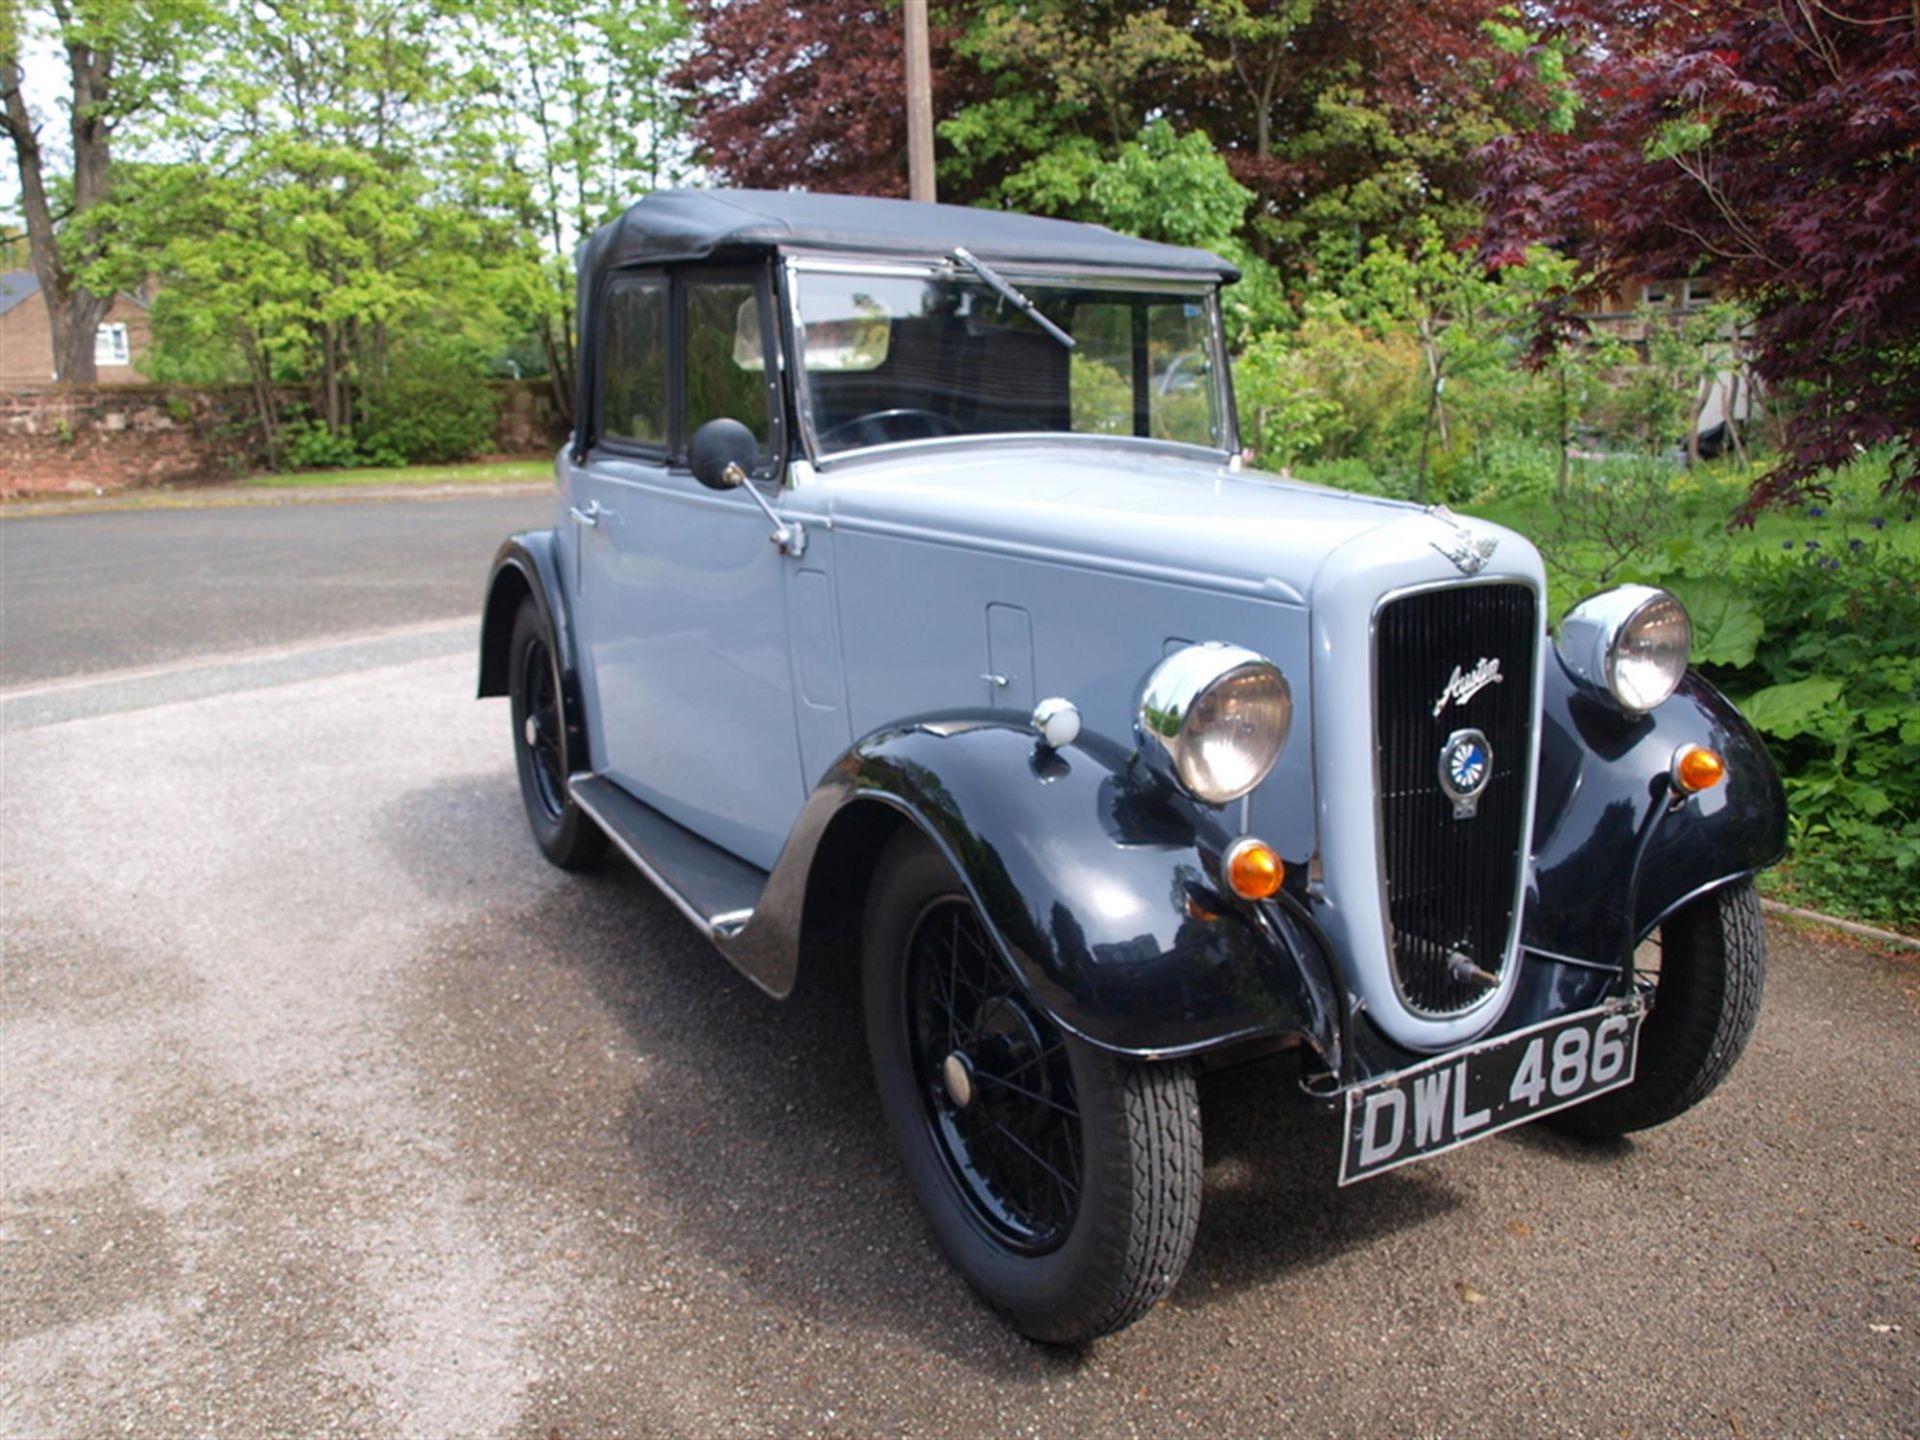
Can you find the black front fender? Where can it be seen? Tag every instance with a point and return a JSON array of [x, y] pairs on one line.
[[1602, 774], [1099, 884]]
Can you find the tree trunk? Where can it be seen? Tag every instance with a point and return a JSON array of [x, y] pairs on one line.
[[1566, 438], [73, 313], [74, 319], [1730, 392], [559, 378], [329, 384], [1426, 430], [263, 401]]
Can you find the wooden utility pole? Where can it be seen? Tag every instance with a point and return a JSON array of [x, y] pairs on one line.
[[919, 104]]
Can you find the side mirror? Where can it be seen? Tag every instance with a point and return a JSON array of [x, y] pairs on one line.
[[722, 454]]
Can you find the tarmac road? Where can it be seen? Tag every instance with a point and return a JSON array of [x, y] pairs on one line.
[[326, 1107], [122, 588]]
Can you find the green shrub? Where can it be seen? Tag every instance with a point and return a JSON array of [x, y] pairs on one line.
[[1514, 466], [1359, 476], [428, 417], [307, 444], [1816, 645]]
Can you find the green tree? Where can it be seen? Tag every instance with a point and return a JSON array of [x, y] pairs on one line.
[[583, 121], [1072, 81], [124, 61], [1440, 293], [328, 229]]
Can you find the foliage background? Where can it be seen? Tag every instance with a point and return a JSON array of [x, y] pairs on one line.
[[376, 202]]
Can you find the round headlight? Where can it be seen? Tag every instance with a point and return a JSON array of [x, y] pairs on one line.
[[1632, 642], [1218, 716]]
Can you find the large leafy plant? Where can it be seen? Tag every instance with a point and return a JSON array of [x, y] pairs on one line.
[[1816, 645]]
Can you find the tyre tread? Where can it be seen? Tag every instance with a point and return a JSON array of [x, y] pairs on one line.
[[1142, 1139], [571, 841], [1163, 1119], [1723, 937]]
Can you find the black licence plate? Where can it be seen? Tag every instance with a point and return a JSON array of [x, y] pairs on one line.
[[1469, 1094]]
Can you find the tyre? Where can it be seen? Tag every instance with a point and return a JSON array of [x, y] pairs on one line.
[[1062, 1181], [1708, 964], [541, 747]]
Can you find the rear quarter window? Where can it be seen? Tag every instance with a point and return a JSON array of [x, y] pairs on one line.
[[634, 370]]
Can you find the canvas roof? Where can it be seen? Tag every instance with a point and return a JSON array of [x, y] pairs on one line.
[[697, 224]]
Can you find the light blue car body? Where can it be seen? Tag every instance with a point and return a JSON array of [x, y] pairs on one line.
[[927, 594], [722, 678]]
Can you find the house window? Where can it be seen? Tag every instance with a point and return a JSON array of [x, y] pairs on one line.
[[110, 346]]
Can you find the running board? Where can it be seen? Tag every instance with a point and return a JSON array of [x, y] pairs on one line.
[[714, 889]]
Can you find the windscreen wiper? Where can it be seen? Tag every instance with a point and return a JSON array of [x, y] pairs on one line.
[[1012, 296]]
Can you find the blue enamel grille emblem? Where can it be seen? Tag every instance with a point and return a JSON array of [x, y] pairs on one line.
[[1466, 764]]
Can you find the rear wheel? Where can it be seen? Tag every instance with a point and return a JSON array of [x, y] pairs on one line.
[[1708, 964], [1062, 1181], [541, 749]]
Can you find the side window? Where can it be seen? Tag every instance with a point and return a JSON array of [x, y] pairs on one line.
[[633, 377], [726, 361]]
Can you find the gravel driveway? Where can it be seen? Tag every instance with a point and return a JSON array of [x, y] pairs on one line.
[[329, 1108]]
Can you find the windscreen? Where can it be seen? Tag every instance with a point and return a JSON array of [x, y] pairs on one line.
[[895, 357]]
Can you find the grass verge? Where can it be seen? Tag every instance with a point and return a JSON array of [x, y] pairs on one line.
[[486, 472]]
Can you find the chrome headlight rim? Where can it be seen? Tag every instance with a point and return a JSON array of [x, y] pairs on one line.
[[1166, 715], [1594, 636]]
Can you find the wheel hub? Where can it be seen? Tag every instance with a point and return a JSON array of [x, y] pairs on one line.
[[956, 1073], [532, 732]]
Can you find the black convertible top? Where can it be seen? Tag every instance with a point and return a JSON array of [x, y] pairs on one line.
[[698, 224], [679, 225]]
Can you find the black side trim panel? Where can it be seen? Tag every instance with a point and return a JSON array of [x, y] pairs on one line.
[[713, 888]]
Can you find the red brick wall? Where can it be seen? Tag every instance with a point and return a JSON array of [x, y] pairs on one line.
[[78, 439]]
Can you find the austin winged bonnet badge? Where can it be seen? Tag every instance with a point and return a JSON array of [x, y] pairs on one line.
[[1466, 764], [1469, 549]]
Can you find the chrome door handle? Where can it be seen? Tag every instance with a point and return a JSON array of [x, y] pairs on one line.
[[589, 516]]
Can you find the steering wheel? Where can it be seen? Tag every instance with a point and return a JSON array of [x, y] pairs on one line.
[[878, 427]]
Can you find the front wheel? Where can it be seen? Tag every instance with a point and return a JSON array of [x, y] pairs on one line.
[[1710, 968], [1062, 1181]]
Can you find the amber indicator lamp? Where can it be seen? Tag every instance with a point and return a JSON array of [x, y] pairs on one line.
[[1254, 871], [1696, 768]]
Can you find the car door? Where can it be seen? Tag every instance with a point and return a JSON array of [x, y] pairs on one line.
[[683, 600]]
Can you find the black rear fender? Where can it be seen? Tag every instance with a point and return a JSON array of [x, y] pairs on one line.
[[528, 564], [525, 564]]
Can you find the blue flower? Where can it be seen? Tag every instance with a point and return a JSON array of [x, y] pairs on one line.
[[1829, 564], [1786, 544], [1815, 511], [1813, 544], [1878, 522], [1856, 546]]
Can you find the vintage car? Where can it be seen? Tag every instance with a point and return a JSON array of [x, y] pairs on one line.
[[908, 603]]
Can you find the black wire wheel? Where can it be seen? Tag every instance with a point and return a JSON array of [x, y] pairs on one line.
[[541, 747], [1063, 1182], [1707, 963]]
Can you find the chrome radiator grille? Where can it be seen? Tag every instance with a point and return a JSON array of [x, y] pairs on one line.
[[1451, 879]]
